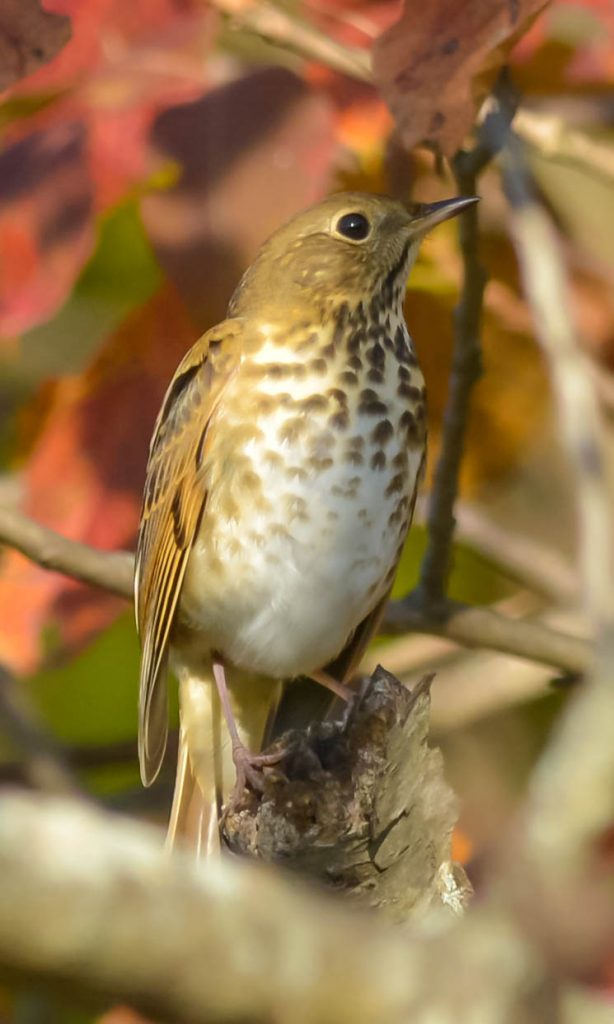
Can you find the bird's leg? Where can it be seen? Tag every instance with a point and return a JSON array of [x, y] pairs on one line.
[[246, 763], [339, 689]]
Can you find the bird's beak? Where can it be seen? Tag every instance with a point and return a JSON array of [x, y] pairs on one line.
[[425, 216]]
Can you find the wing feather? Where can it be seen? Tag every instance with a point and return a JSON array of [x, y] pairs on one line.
[[174, 500]]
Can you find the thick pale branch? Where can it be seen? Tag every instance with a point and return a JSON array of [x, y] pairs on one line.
[[94, 902], [362, 803], [572, 796]]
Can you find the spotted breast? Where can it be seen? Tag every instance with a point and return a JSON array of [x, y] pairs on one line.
[[311, 501]]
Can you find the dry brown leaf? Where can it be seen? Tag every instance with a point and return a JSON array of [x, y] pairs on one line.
[[29, 38], [440, 59]]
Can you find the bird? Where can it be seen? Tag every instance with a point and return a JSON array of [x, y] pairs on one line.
[[280, 486]]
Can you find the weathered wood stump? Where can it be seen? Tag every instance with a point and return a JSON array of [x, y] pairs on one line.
[[361, 804]]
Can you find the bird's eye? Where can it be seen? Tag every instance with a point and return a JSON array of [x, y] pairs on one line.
[[354, 226]]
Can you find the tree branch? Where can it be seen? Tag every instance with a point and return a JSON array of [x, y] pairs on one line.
[[109, 570], [466, 369], [551, 137], [532, 563], [469, 626], [93, 901], [474, 626], [361, 803], [42, 760], [278, 26]]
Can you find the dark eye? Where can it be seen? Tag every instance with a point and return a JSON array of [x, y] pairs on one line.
[[354, 226]]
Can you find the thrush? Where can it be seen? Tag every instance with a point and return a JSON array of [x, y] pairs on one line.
[[280, 486]]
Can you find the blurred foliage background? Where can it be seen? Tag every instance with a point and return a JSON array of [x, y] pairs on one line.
[[139, 171]]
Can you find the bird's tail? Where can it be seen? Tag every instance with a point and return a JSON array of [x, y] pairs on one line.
[[205, 770]]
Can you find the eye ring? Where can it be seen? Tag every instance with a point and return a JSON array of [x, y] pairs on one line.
[[353, 226]]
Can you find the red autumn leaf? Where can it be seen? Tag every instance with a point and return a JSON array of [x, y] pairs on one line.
[[438, 61], [46, 232], [29, 38], [124, 64], [85, 475], [107, 33], [252, 153]]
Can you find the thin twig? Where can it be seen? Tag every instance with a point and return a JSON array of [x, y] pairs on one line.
[[479, 685], [472, 627], [466, 369], [549, 136], [483, 627], [276, 25], [109, 570], [411, 652]]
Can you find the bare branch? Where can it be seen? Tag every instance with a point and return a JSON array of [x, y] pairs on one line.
[[551, 137], [471, 684], [483, 627], [480, 684], [278, 26], [362, 803], [466, 369], [93, 901], [109, 570], [472, 627]]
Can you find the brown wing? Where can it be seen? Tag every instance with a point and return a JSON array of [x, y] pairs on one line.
[[173, 503]]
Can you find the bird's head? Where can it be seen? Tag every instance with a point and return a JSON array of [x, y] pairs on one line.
[[344, 249]]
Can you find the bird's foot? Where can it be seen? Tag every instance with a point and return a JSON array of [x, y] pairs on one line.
[[248, 769]]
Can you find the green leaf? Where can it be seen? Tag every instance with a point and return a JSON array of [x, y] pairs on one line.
[[121, 275]]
